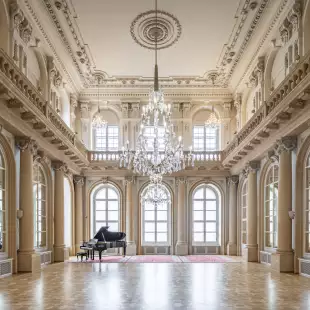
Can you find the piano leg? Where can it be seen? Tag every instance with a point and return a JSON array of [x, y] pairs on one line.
[[124, 250], [100, 256]]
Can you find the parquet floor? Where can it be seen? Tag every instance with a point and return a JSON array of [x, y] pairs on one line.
[[150, 286]]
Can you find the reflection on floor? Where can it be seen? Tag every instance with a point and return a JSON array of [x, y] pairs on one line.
[[160, 259], [155, 286]]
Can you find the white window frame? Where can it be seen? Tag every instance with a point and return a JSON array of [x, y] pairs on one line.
[[106, 222], [37, 217], [274, 208], [4, 208], [204, 220], [107, 135], [205, 147], [155, 221], [244, 211]]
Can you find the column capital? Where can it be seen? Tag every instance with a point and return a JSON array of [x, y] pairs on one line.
[[78, 180], [26, 143], [233, 179], [287, 144], [181, 180], [129, 180], [60, 166], [251, 167], [272, 156]]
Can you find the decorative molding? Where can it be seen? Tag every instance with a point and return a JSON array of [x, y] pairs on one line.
[[265, 37], [26, 143], [286, 144], [181, 180], [234, 179], [144, 27], [104, 180], [60, 166], [251, 167], [78, 180], [129, 180], [272, 156]]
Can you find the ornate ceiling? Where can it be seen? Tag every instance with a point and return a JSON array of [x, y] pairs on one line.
[[201, 41]]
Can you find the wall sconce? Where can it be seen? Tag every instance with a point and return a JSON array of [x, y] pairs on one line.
[[291, 214]]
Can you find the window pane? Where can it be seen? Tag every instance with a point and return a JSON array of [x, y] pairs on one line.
[[112, 194], [162, 215], [210, 194], [99, 225], [198, 215], [113, 226], [211, 237], [113, 215], [198, 205], [100, 205], [149, 237], [198, 227], [149, 206], [113, 205], [199, 194], [199, 237], [162, 237], [211, 227], [100, 215], [211, 205], [101, 194], [149, 227], [149, 216], [162, 227], [211, 215]]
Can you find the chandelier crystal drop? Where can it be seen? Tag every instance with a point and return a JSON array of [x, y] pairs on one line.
[[162, 152], [98, 122], [156, 195], [212, 121]]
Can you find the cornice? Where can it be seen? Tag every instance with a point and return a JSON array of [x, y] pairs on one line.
[[263, 40], [51, 46]]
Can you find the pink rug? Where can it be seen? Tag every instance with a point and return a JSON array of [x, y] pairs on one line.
[[205, 259], [154, 259]]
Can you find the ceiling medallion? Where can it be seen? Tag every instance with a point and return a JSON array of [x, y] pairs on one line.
[[144, 29]]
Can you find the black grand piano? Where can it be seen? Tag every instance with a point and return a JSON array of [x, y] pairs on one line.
[[103, 240]]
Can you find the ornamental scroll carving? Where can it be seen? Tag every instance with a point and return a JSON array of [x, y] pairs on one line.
[[251, 167], [285, 144], [78, 180], [234, 179], [26, 143], [182, 180], [60, 166], [129, 180]]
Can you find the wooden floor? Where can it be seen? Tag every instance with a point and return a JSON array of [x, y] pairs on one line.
[[155, 286]]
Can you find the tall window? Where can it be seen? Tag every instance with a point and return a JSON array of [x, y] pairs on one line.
[[2, 205], [150, 135], [106, 208], [271, 207], [156, 218], [244, 206], [206, 215], [205, 138], [307, 207], [106, 139], [67, 213], [39, 200]]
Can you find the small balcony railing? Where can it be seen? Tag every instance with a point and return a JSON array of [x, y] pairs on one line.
[[99, 156]]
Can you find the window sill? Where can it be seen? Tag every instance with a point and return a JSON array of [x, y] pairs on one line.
[[205, 244], [3, 256], [155, 244], [270, 250], [40, 250]]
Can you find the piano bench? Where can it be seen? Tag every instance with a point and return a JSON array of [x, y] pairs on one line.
[[81, 254]]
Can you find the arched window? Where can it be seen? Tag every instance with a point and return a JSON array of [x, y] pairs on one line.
[[39, 200], [271, 207], [67, 213], [106, 208], [2, 205], [244, 206], [156, 215], [307, 207], [206, 215]]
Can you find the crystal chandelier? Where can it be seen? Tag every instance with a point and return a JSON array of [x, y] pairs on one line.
[[156, 193], [162, 153], [98, 121], [212, 121]]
